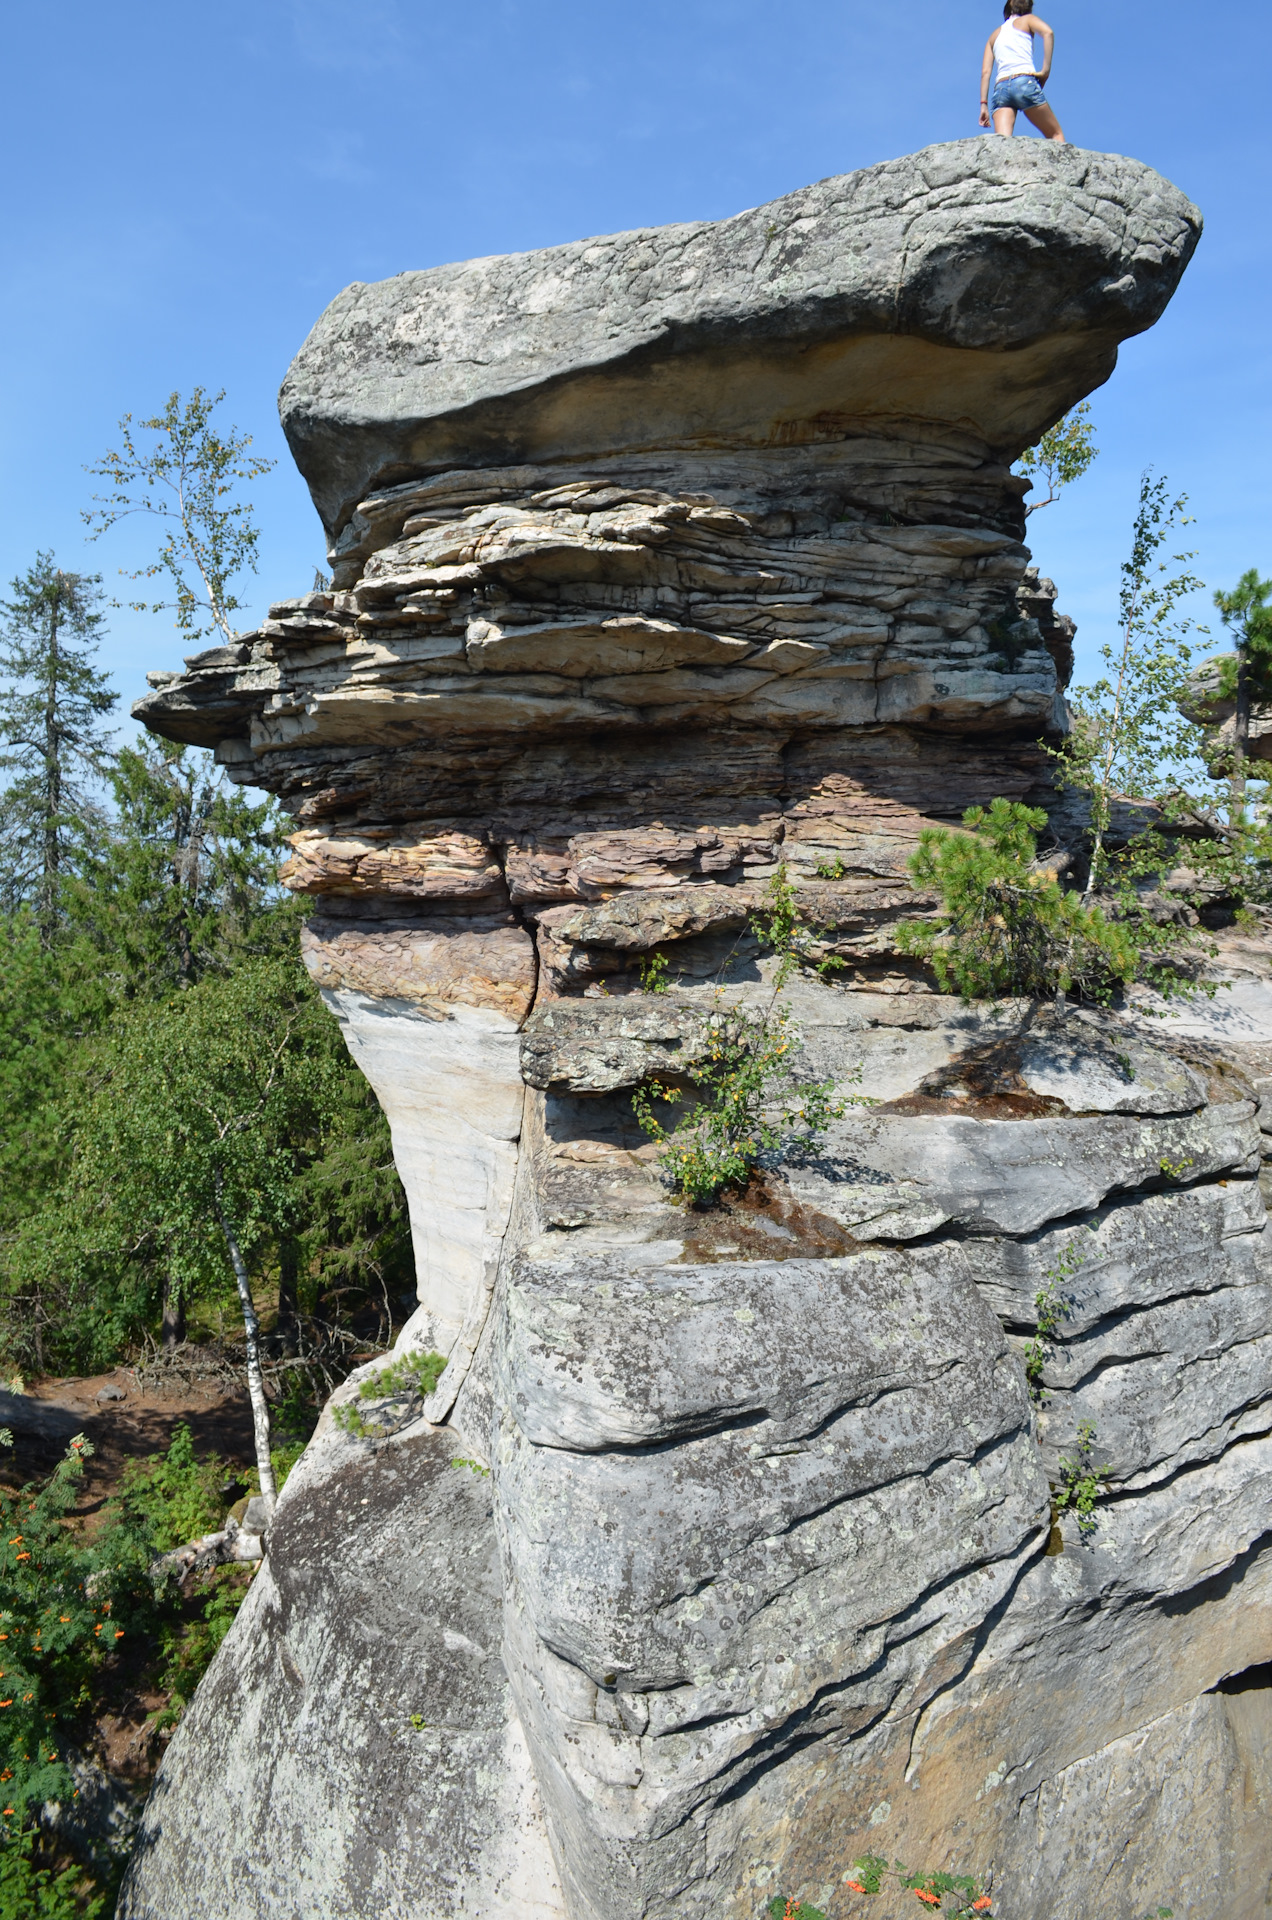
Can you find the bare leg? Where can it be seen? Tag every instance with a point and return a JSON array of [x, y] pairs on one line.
[[1005, 120], [1046, 122]]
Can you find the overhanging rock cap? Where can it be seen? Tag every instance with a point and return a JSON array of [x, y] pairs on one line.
[[982, 285]]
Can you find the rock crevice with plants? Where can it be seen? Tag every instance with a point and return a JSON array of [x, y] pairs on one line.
[[896, 1477]]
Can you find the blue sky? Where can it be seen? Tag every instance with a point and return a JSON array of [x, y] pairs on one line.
[[190, 184]]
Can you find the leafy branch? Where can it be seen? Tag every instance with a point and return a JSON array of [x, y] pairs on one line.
[[1052, 1308]]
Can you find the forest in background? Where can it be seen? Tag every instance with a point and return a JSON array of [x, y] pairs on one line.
[[180, 1122]]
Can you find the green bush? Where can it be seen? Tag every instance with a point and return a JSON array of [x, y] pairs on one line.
[[1006, 925], [397, 1391], [52, 1634], [170, 1498], [32, 1892], [163, 1502], [747, 1104]]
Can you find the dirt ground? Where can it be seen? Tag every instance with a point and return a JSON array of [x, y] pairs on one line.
[[141, 1423], [42, 1420]]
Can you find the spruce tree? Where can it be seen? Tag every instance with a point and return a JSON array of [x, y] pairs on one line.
[[52, 702]]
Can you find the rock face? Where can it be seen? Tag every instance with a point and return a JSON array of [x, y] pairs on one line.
[[727, 1546]]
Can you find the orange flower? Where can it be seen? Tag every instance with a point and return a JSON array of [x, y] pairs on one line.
[[119, 1633], [921, 1893], [6, 1703], [982, 1905], [854, 1886], [23, 1556]]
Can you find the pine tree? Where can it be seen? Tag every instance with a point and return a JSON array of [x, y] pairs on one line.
[[52, 701], [1247, 678]]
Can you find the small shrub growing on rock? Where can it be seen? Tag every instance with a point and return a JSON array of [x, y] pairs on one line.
[[954, 1893], [748, 1106], [397, 1391], [1081, 1481], [1006, 925]]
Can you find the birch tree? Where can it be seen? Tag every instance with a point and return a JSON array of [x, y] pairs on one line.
[[206, 1114], [1062, 456], [186, 476], [1129, 741]]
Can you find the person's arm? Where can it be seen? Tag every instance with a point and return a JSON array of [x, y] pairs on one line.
[[987, 67], [1048, 38]]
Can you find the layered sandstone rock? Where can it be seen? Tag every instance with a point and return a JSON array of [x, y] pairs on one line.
[[661, 561]]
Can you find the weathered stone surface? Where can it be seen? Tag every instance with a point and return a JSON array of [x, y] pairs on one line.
[[450, 1085], [354, 1749], [662, 562], [898, 1177], [482, 960], [779, 314]]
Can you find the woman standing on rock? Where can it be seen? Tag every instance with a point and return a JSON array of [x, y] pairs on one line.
[[1018, 89]]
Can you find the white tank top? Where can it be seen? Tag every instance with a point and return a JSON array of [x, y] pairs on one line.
[[1013, 50]]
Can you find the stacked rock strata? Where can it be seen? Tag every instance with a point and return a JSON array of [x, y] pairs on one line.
[[725, 1547]]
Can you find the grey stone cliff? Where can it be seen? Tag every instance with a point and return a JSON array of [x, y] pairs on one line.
[[726, 1548]]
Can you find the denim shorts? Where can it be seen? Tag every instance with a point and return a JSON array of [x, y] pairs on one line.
[[1020, 91]]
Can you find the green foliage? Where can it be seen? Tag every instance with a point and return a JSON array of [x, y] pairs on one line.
[[52, 1634], [747, 1103], [184, 879], [51, 1000], [29, 1891], [1081, 1481], [1248, 617], [164, 1502], [396, 1391], [242, 1080], [172, 1497], [474, 1466], [52, 701], [1006, 926], [186, 479], [830, 869], [780, 1909], [956, 1893], [1052, 1308], [653, 973], [1129, 741], [1063, 454], [734, 1120]]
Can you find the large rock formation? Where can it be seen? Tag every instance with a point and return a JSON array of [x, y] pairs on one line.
[[659, 561]]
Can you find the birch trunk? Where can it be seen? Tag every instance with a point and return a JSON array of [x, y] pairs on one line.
[[255, 1381], [1241, 733]]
